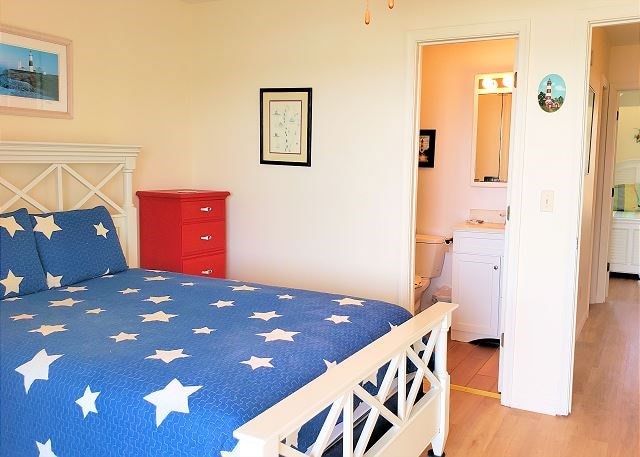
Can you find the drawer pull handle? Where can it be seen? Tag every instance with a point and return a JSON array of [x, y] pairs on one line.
[[207, 272], [206, 209], [495, 267], [206, 237]]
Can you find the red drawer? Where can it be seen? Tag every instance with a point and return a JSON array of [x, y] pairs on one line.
[[212, 266], [202, 237], [202, 209]]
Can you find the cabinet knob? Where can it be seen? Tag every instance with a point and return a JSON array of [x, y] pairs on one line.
[[206, 209], [207, 272], [206, 237], [495, 267]]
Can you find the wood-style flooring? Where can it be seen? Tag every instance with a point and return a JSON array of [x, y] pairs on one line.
[[605, 416], [472, 365]]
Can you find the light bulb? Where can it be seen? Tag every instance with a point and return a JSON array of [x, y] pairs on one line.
[[489, 83], [391, 4], [507, 80]]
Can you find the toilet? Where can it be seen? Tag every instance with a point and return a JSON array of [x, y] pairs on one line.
[[430, 251]]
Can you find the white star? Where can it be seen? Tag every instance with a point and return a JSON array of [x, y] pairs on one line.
[[156, 271], [243, 287], [392, 326], [265, 316], [129, 290], [88, 402], [187, 284], [257, 362], [68, 302], [159, 316], [286, 297], [107, 274], [49, 329], [20, 317], [155, 278], [278, 334], [11, 283], [222, 304], [53, 281], [44, 449], [101, 230], [95, 311], [203, 330], [173, 398], [330, 364], [72, 289], [122, 336], [158, 300], [11, 225], [12, 299], [349, 301], [168, 356], [46, 225], [338, 319], [37, 368]]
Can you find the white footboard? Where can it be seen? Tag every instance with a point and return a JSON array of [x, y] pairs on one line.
[[415, 424]]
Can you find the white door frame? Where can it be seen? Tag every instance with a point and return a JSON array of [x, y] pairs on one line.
[[476, 32]]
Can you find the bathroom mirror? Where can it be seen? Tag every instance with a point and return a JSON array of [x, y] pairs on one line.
[[491, 127]]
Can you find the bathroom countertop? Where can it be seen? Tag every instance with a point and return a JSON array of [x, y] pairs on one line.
[[487, 227]]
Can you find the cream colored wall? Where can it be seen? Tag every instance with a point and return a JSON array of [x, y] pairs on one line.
[[445, 193], [629, 122], [598, 76], [133, 63]]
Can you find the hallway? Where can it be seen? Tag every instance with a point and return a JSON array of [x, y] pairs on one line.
[[606, 406]]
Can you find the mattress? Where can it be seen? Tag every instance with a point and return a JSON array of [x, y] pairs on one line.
[[153, 363]]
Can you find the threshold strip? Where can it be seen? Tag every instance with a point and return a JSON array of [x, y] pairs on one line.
[[471, 390]]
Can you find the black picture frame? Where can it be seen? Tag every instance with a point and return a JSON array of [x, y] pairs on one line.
[[285, 126], [427, 148]]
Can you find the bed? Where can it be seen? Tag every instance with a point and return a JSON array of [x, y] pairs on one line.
[[624, 245], [125, 361]]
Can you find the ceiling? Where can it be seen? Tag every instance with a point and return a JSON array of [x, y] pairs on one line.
[[624, 34]]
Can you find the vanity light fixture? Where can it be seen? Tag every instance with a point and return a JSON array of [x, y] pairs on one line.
[[367, 11], [496, 83]]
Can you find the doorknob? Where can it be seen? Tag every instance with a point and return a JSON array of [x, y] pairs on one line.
[[495, 267]]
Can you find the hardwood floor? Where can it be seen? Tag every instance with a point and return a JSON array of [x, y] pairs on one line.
[[473, 365], [605, 418]]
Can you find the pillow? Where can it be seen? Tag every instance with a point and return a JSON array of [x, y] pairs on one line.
[[20, 268], [626, 197], [77, 245]]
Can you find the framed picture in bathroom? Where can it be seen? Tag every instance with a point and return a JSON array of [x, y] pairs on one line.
[[427, 148]]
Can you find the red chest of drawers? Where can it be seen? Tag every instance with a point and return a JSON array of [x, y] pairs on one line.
[[183, 231]]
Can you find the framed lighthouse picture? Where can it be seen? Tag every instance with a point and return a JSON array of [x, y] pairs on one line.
[[552, 92], [35, 74]]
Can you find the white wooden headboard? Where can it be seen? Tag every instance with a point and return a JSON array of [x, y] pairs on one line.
[[627, 172], [48, 177]]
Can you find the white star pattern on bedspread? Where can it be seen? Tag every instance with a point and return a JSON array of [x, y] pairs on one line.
[[173, 398], [37, 368], [88, 402], [162, 340], [44, 449], [11, 283], [46, 225], [10, 224], [101, 230], [53, 281]]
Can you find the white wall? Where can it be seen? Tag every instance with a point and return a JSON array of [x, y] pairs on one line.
[[445, 194], [628, 124]]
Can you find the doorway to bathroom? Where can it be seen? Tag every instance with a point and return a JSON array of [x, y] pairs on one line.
[[464, 107]]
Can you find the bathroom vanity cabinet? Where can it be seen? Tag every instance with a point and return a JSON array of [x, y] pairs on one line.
[[478, 251]]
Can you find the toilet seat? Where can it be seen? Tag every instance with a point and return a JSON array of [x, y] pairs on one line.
[[420, 282]]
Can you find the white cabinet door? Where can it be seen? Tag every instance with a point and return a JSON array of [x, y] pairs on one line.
[[476, 289]]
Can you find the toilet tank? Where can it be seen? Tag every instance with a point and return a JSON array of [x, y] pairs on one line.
[[430, 251]]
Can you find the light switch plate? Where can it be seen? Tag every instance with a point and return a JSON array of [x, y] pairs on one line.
[[546, 200]]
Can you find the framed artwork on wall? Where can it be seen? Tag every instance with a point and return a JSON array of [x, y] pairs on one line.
[[427, 148], [285, 126], [35, 74]]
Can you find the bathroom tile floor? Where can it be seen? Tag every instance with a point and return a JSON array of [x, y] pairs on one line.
[[472, 365]]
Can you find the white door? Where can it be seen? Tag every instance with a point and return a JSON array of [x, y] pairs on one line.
[[476, 289]]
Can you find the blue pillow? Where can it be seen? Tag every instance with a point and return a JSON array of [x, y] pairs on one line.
[[77, 245], [20, 268]]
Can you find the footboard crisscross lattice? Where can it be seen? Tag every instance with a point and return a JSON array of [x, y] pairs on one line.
[[401, 399]]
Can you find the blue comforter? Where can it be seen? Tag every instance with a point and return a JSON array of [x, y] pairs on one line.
[[154, 363]]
